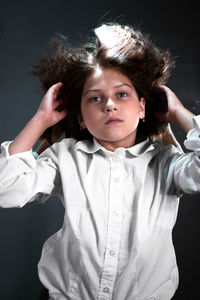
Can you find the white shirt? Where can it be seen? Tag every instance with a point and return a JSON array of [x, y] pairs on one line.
[[120, 209]]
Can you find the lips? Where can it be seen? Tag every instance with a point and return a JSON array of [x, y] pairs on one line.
[[113, 121]]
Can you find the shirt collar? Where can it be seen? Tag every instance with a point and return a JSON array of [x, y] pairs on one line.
[[92, 146], [141, 147], [88, 146]]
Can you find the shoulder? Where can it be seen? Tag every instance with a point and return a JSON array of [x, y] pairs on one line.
[[152, 149], [156, 147], [58, 148], [167, 152], [66, 143]]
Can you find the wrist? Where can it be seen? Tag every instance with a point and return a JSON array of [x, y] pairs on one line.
[[28, 136], [40, 122], [183, 118]]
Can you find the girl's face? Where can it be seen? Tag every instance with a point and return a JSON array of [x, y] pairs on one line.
[[111, 108]]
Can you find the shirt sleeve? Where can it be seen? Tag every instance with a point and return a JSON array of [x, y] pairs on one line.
[[24, 179], [187, 166]]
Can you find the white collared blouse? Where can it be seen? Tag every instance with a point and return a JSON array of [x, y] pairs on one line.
[[120, 209]]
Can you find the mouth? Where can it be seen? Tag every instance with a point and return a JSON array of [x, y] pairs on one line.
[[113, 121]]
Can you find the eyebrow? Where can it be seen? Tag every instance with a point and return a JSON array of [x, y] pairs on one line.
[[116, 86]]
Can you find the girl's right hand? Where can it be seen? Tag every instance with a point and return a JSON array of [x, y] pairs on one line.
[[50, 110], [49, 113]]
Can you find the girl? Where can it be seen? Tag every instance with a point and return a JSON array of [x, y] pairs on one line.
[[106, 103]]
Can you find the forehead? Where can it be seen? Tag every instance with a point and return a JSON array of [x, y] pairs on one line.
[[106, 77]]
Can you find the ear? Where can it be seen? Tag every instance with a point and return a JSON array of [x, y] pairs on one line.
[[142, 103]]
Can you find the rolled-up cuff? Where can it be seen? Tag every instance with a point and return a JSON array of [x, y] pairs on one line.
[[192, 141], [5, 152]]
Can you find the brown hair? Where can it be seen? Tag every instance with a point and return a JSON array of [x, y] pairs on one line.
[[114, 46]]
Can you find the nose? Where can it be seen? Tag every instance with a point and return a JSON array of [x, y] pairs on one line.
[[110, 105]]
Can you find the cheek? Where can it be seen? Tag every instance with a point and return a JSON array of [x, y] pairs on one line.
[[132, 110], [132, 115], [84, 111], [89, 117], [89, 113]]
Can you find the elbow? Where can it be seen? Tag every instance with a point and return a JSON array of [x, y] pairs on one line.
[[12, 199]]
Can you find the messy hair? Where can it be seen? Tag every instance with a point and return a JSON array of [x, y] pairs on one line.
[[113, 46]]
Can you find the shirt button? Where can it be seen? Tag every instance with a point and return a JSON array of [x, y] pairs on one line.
[[115, 159], [116, 179], [112, 252], [120, 151], [106, 290]]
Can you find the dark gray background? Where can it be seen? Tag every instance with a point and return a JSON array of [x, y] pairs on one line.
[[25, 31]]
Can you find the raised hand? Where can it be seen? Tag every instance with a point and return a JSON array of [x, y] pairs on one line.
[[177, 113], [51, 109], [49, 113]]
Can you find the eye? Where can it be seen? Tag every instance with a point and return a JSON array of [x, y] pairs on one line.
[[122, 94], [95, 99]]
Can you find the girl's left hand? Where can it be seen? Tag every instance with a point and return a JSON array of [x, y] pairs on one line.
[[174, 104], [177, 113]]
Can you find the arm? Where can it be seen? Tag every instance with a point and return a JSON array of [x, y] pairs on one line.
[[57, 134], [22, 178], [184, 168], [46, 116], [169, 138]]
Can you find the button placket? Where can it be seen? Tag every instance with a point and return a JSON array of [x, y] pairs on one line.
[[117, 166], [114, 231]]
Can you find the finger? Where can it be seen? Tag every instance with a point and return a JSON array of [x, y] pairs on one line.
[[61, 114], [57, 85], [54, 89], [161, 89], [166, 90], [58, 104]]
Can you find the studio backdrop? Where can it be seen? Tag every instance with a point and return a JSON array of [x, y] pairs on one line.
[[26, 28]]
